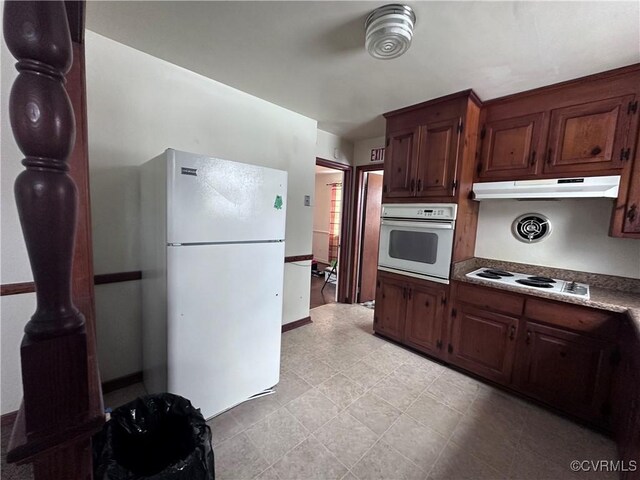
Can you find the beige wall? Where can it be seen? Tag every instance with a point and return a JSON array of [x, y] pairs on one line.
[[331, 147], [578, 241], [362, 150]]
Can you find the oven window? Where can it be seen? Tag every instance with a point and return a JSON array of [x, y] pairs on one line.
[[419, 247]]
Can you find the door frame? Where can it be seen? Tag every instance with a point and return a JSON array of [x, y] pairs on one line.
[[356, 227], [344, 259]]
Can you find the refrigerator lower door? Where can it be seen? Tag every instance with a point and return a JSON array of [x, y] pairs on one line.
[[224, 322]]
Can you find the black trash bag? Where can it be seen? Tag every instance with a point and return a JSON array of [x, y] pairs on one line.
[[157, 437]]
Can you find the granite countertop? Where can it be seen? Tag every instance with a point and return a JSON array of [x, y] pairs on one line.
[[607, 292]]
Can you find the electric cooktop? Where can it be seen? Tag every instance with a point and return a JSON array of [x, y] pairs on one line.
[[526, 281]]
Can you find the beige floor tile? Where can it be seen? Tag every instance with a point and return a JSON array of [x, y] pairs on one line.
[[309, 461], [364, 374], [314, 371], [397, 393], [346, 438], [418, 376], [238, 459], [490, 441], [349, 476], [418, 443], [434, 414], [374, 413], [313, 409], [290, 387], [384, 361], [268, 474], [456, 463], [224, 426], [455, 396], [528, 465], [341, 391], [382, 462], [252, 411], [276, 434]]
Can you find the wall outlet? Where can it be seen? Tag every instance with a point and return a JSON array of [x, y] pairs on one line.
[[307, 200]]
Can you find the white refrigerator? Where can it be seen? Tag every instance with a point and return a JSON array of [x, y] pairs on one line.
[[212, 259]]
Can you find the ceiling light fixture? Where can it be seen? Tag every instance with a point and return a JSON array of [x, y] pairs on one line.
[[389, 30]]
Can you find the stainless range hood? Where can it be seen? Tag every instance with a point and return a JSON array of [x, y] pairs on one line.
[[578, 187]]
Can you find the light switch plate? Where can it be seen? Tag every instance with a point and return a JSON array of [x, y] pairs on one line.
[[307, 200]]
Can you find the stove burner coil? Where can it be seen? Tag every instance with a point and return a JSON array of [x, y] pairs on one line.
[[487, 274], [534, 283], [500, 273], [542, 279], [531, 227]]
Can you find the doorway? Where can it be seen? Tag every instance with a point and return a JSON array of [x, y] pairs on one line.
[[367, 232], [330, 209]]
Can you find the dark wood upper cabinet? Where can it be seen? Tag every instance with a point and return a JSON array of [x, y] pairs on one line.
[[429, 147], [483, 342], [589, 137], [391, 297], [399, 169], [511, 147], [437, 155], [567, 369], [424, 317], [577, 128]]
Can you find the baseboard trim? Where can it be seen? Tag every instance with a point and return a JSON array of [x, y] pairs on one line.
[[8, 419], [296, 324], [298, 258], [121, 382]]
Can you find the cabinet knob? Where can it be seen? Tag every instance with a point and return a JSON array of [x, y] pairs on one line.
[[512, 333], [632, 213], [532, 162], [596, 150], [528, 340], [419, 184]]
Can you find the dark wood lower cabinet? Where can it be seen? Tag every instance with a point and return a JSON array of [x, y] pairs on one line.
[[424, 318], [391, 298], [483, 342], [411, 311], [566, 369]]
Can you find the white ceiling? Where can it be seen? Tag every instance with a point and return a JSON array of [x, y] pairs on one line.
[[309, 56]]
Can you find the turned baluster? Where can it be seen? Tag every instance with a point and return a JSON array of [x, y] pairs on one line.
[[53, 351]]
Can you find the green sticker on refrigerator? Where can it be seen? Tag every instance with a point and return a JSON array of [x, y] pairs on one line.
[[278, 203]]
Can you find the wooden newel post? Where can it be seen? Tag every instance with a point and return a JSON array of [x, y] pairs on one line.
[[54, 348]]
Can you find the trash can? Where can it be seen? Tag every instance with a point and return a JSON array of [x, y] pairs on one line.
[[156, 437]]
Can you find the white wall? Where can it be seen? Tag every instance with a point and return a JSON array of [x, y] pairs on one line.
[[578, 241], [334, 148], [322, 214], [139, 105], [362, 150]]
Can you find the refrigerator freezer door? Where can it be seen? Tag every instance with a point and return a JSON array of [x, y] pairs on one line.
[[212, 200], [224, 322]]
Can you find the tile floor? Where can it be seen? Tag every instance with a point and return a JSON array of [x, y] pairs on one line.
[[353, 406]]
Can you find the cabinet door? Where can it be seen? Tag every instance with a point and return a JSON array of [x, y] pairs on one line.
[[631, 221], [437, 156], [424, 319], [568, 370], [511, 147], [399, 165], [388, 318], [588, 137], [483, 342]]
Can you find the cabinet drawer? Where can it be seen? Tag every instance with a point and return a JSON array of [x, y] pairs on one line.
[[490, 299], [597, 323]]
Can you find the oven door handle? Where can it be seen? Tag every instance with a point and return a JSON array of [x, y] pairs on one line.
[[425, 225]]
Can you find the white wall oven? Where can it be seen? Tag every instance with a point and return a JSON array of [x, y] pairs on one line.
[[417, 240]]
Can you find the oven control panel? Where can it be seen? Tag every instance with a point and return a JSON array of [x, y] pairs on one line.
[[436, 211]]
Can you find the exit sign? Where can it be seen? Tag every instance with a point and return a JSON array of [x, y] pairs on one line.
[[377, 154]]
